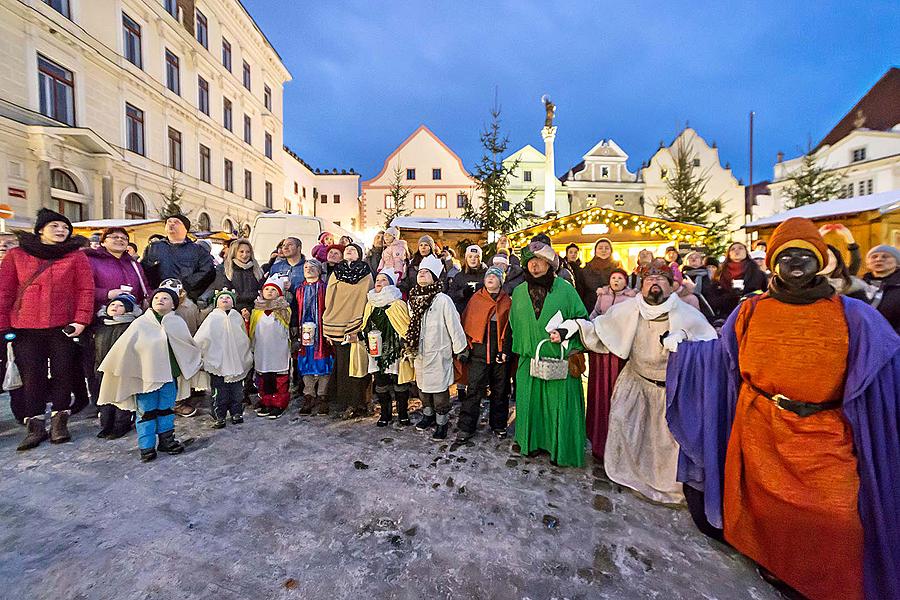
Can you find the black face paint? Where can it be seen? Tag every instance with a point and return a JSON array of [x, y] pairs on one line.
[[796, 267]]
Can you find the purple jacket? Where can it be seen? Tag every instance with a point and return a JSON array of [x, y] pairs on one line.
[[111, 272], [702, 383]]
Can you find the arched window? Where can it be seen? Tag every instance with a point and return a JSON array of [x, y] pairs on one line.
[[228, 226], [134, 207], [203, 222], [61, 180]]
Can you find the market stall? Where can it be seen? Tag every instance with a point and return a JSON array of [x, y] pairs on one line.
[[630, 233]]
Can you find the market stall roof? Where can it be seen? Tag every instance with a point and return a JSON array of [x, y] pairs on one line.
[[104, 223], [591, 224], [883, 202], [434, 224]]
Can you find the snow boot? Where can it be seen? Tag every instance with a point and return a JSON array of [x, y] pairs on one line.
[[307, 404], [121, 426], [59, 433], [427, 421], [218, 424], [237, 419], [443, 424], [384, 401], [321, 405], [262, 411], [168, 443], [274, 413], [37, 433], [148, 454]]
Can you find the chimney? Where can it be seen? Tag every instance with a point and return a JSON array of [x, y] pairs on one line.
[[779, 157]]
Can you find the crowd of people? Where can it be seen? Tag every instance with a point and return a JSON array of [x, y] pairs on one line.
[[780, 433]]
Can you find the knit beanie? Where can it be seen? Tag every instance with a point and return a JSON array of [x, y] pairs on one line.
[[895, 252], [390, 273], [173, 284], [45, 215], [322, 236], [473, 249], [796, 232], [496, 272], [127, 300], [427, 239], [394, 231], [183, 218], [316, 264], [225, 292], [277, 281], [500, 258], [165, 290], [359, 252]]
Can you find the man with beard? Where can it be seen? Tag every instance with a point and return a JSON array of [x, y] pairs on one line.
[[788, 425], [640, 451], [549, 412]]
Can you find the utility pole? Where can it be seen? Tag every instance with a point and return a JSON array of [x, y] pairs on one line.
[[748, 208]]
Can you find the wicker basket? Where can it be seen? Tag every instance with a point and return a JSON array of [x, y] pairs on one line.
[[548, 369]]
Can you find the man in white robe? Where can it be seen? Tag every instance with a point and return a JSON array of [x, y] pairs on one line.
[[640, 450]]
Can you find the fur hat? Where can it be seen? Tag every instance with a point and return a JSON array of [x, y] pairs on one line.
[[496, 272], [166, 290], [277, 281], [540, 250], [796, 232], [224, 292], [173, 284], [433, 264], [390, 273], [45, 215]]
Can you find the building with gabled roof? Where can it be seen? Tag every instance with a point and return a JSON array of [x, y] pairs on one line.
[[528, 177], [438, 183], [602, 179]]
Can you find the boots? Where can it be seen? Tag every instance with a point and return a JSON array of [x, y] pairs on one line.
[[307, 404], [427, 421], [321, 405], [168, 443], [121, 426], [402, 399], [148, 454], [37, 433], [443, 424], [59, 432], [384, 400]]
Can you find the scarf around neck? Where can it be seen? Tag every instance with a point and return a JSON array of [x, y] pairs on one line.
[[388, 295], [420, 299], [817, 289], [651, 312], [32, 245], [352, 272], [538, 288], [279, 306]]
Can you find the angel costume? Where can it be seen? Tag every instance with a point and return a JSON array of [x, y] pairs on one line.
[[225, 348]]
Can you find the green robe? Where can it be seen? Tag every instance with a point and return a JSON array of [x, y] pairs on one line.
[[549, 414]]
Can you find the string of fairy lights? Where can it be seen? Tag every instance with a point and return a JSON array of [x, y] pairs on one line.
[[614, 220]]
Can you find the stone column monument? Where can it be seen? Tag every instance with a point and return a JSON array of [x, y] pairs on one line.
[[549, 134]]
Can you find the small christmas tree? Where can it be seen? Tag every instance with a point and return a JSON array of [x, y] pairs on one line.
[[811, 183], [398, 192], [172, 199]]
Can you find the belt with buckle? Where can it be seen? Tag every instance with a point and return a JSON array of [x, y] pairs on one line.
[[655, 382], [801, 409]]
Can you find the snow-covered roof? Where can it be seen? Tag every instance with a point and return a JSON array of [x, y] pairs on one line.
[[434, 223], [101, 223], [884, 202]]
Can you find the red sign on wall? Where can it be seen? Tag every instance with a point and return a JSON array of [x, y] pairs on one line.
[[16, 192]]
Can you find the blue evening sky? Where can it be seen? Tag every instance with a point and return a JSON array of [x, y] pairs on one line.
[[367, 73]]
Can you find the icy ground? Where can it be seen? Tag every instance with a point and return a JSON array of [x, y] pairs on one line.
[[309, 508]]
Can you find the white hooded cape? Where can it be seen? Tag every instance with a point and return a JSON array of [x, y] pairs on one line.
[[224, 345], [139, 360], [614, 331]]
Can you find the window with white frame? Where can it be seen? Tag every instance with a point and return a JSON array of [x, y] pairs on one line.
[[389, 202], [246, 75], [228, 175], [526, 175], [269, 194], [60, 6], [419, 201], [411, 174], [175, 149], [171, 7], [267, 97], [226, 54], [135, 207], [203, 95], [248, 130], [440, 201], [57, 91], [205, 164], [227, 114], [268, 147]]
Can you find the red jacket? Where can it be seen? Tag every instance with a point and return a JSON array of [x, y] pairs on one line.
[[62, 294]]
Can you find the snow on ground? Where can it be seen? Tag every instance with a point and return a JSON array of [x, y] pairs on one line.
[[309, 508]]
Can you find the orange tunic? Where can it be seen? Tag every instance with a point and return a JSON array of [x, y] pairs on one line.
[[790, 497]]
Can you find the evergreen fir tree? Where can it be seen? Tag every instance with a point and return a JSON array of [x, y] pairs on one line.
[[811, 183], [399, 192], [687, 200], [172, 202], [494, 212]]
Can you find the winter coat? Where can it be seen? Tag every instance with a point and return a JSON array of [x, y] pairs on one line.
[[754, 281], [187, 262], [486, 323], [244, 283], [374, 258], [395, 255], [465, 283], [593, 276], [105, 336], [441, 337], [62, 293], [514, 276], [606, 298], [293, 273], [110, 273], [888, 300]]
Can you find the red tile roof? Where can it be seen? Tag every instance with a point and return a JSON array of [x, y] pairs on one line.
[[878, 110]]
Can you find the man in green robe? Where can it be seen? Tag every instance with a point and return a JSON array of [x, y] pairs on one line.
[[549, 414]]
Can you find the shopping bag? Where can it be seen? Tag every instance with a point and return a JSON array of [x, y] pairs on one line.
[[12, 380], [359, 359]]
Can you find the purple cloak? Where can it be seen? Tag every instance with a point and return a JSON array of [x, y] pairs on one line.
[[703, 381]]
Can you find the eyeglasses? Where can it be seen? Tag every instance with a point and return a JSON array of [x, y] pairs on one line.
[[117, 237]]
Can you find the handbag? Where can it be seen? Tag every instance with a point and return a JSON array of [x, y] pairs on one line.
[[406, 370], [359, 360], [12, 379], [548, 369]]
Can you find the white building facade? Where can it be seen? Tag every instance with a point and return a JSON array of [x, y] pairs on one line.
[[722, 187], [438, 183], [528, 177], [329, 194], [106, 104], [602, 179]]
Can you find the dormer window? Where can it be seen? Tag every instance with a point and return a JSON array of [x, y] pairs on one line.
[[859, 154]]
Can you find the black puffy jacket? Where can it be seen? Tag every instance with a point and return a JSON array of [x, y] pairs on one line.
[[187, 262]]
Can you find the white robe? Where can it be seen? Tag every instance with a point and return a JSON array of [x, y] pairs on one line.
[[271, 345], [441, 337], [225, 346], [139, 360], [640, 450]]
